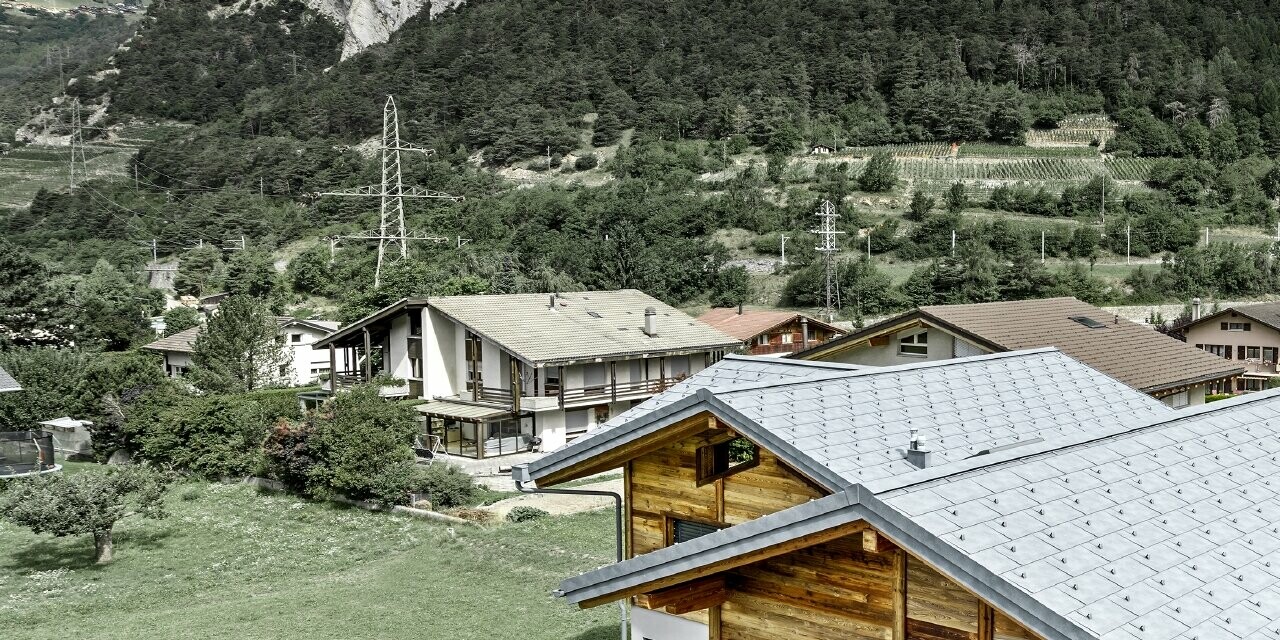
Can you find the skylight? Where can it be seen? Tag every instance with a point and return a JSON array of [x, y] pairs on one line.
[[594, 314], [1088, 322]]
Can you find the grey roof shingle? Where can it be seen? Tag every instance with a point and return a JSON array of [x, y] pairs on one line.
[[854, 423], [1167, 531], [8, 383], [184, 341], [582, 325]]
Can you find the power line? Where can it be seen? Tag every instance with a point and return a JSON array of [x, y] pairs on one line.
[[392, 236]]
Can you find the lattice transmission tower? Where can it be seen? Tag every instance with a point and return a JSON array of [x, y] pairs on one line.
[[79, 168], [392, 235], [828, 248]]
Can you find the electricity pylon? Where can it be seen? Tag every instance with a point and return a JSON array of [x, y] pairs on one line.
[[77, 146], [392, 236], [828, 248]]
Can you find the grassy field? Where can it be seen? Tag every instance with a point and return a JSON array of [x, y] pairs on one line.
[[232, 563]]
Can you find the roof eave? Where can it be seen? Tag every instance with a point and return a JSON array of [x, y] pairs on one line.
[[1208, 377]]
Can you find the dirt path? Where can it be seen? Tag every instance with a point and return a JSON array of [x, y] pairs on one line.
[[559, 504]]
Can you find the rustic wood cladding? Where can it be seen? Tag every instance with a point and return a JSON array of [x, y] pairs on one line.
[[663, 484], [842, 589]]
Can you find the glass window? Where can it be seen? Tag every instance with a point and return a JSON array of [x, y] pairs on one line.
[[576, 422], [686, 530], [763, 340], [788, 338], [295, 338], [1254, 353], [916, 344]]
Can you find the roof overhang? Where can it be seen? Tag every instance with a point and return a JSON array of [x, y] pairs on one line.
[[357, 328], [838, 515], [464, 412], [892, 325], [606, 450], [1174, 387]]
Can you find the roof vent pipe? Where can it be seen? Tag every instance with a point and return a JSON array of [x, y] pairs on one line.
[[552, 303], [1195, 309], [917, 454], [804, 331], [651, 322]]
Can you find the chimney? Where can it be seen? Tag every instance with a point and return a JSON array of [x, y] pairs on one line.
[[804, 331], [651, 322], [917, 454], [1195, 309], [552, 303]]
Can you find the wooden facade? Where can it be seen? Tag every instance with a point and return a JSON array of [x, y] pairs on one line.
[[851, 583], [789, 338]]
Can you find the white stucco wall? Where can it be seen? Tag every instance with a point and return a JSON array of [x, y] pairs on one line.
[[942, 346], [395, 354], [441, 353], [304, 358]]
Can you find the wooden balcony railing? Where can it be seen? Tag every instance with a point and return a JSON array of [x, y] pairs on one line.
[[607, 392]]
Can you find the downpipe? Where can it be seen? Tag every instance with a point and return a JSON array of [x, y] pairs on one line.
[[520, 473]]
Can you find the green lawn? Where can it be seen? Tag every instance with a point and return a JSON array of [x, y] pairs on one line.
[[230, 562]]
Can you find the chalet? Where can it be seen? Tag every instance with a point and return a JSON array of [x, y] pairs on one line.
[[501, 374], [817, 503], [821, 150], [305, 365], [1249, 336], [1176, 373], [771, 332], [7, 382]]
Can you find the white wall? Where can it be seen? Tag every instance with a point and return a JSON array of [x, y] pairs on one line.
[[303, 358], [395, 354], [656, 625], [441, 353], [942, 346]]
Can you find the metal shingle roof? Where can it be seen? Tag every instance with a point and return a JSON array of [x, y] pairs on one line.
[[582, 325], [854, 423], [8, 383], [1168, 531]]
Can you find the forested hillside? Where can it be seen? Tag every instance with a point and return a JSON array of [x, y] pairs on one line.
[[602, 143]]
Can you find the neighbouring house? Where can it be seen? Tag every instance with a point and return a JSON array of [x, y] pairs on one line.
[[1176, 373], [771, 332], [1248, 335], [7, 382], [71, 437], [814, 503], [304, 366], [821, 150], [501, 374]]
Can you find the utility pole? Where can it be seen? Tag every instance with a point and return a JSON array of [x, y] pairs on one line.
[[1042, 247], [828, 248], [868, 246], [77, 146], [1103, 207], [785, 238], [1127, 244], [1206, 236], [333, 245], [155, 252], [953, 243], [392, 236]]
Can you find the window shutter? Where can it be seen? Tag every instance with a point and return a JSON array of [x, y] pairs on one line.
[[1224, 326], [1240, 353], [1247, 326]]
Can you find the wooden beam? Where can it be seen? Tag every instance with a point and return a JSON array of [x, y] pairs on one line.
[[986, 621], [690, 596], [900, 595], [628, 523], [617, 457], [840, 531], [873, 542], [713, 623]]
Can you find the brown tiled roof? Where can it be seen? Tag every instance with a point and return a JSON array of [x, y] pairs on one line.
[[1136, 355], [1267, 313], [749, 324]]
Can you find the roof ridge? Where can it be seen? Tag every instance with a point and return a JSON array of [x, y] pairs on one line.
[[1062, 444], [814, 364], [871, 371]]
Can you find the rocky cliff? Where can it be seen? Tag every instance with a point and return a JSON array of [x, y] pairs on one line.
[[369, 22]]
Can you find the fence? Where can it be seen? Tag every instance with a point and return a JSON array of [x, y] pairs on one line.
[[23, 452]]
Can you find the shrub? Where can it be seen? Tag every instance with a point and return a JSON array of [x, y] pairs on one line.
[[361, 446], [588, 161], [526, 514], [287, 455], [445, 485]]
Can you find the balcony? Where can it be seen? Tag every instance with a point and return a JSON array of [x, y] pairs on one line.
[[556, 396], [346, 380], [773, 349], [1260, 367]]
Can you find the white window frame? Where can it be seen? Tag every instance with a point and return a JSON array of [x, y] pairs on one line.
[[788, 338], [915, 345]]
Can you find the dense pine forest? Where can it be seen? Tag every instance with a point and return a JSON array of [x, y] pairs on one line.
[[602, 143]]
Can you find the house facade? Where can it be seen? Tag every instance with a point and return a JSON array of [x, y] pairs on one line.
[[1249, 336], [505, 374], [781, 506], [304, 367], [771, 333], [1174, 372]]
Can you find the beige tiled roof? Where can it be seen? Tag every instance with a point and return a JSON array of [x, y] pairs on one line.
[[749, 323], [1136, 355], [527, 326], [181, 342]]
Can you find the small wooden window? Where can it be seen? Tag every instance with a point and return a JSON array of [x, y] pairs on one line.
[[726, 458]]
